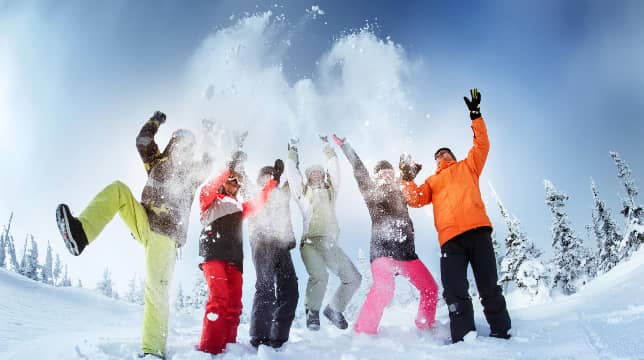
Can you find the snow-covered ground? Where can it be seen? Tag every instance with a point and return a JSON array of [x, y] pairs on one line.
[[605, 320]]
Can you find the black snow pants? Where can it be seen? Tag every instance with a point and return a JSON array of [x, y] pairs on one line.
[[276, 293], [472, 247]]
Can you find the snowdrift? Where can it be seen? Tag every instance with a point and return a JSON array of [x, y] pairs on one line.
[[603, 321]]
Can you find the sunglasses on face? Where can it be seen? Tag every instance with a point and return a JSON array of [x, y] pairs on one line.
[[234, 181]]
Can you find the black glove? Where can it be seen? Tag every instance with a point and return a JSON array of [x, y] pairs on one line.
[[408, 168], [238, 158], [278, 169], [158, 117], [475, 104]]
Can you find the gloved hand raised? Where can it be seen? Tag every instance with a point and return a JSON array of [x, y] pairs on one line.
[[408, 168], [278, 169], [474, 105], [158, 117], [293, 143], [339, 141], [238, 159]]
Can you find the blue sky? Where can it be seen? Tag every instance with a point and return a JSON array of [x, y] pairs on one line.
[[561, 81]]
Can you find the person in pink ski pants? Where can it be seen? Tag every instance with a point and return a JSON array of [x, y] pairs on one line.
[[392, 250]]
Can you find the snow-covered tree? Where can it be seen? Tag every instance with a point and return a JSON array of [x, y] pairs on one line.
[[47, 273], [12, 260], [135, 291], [23, 261], [518, 249], [66, 281], [533, 275], [200, 292], [106, 285], [632, 211], [32, 266], [498, 256], [181, 302], [57, 272], [606, 232], [568, 250], [79, 284], [4, 239]]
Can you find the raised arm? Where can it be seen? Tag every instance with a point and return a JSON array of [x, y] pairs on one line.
[[416, 196], [205, 165], [478, 154], [360, 172], [210, 189], [293, 175], [255, 205], [145, 144], [332, 167]]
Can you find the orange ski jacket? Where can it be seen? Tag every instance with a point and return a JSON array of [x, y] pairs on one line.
[[454, 190]]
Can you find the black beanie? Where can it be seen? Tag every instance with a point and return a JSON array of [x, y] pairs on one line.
[[266, 170], [382, 164], [444, 148]]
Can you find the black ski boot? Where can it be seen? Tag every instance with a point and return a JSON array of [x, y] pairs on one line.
[[336, 318], [150, 356], [256, 342], [501, 335], [71, 229], [312, 320]]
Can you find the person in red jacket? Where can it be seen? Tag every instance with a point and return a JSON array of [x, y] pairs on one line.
[[221, 246], [464, 230]]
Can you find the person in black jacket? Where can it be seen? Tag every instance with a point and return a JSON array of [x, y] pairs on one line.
[[276, 293], [392, 250], [221, 247]]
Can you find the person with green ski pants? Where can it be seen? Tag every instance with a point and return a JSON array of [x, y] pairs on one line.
[[159, 222], [316, 196]]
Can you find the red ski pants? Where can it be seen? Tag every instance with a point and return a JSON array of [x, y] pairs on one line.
[[224, 306], [384, 271]]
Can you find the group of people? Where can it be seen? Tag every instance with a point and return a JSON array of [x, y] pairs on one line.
[[159, 222]]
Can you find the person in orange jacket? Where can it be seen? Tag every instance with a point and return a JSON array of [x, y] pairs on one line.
[[464, 229]]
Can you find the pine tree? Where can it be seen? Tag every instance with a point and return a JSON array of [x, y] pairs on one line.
[[79, 284], [180, 301], [497, 249], [23, 260], [31, 262], [632, 211], [11, 251], [47, 273], [58, 268], [105, 286], [135, 292], [518, 249], [568, 250], [606, 233], [200, 292], [66, 281], [4, 239]]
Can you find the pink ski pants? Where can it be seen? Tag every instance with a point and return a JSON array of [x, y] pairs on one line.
[[383, 271]]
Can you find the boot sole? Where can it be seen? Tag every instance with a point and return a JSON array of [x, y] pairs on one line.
[[63, 226]]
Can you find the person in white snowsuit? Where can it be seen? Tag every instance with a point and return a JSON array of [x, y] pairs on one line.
[[316, 196]]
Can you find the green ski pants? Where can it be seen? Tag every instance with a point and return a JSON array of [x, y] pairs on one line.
[[160, 257], [318, 255]]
